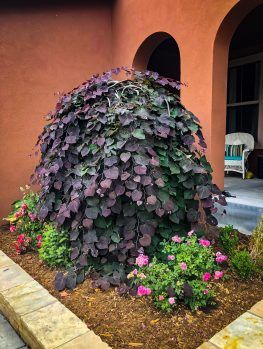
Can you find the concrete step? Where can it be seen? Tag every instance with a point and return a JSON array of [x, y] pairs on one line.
[[242, 216]]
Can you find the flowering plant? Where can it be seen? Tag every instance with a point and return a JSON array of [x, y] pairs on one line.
[[24, 222], [182, 274]]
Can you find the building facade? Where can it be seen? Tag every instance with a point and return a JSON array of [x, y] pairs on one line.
[[52, 46]]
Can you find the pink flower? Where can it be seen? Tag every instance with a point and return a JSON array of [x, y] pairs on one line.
[[206, 276], [32, 217], [20, 238], [143, 291], [135, 272], [183, 266], [220, 258], [170, 257], [161, 298], [24, 206], [204, 243], [188, 242], [206, 291], [176, 238], [12, 228], [142, 260], [171, 300], [218, 274], [190, 233], [39, 237]]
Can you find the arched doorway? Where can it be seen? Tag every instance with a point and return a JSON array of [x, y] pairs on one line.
[[159, 52], [237, 107], [222, 42]]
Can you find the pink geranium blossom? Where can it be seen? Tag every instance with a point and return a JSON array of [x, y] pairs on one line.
[[176, 238], [171, 300], [12, 228], [183, 266], [206, 276], [206, 291], [142, 260], [135, 272], [171, 257], [143, 291], [161, 298], [32, 217], [220, 258], [205, 243], [190, 233], [218, 274]]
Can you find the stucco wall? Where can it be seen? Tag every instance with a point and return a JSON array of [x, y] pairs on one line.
[[203, 31], [44, 49]]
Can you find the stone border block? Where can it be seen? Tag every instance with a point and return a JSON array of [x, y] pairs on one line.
[[40, 319]]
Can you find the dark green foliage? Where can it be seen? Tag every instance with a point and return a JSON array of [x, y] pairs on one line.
[[228, 239], [55, 249], [243, 264], [121, 164]]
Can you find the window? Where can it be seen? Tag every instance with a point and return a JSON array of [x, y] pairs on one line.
[[243, 98]]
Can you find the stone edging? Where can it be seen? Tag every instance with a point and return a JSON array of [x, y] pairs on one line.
[[246, 332], [40, 319]]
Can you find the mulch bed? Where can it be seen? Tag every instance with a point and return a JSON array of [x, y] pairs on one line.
[[125, 322]]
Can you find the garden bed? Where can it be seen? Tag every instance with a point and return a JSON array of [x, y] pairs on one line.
[[126, 322]]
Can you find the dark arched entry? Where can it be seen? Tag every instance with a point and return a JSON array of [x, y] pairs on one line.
[[219, 84], [159, 52]]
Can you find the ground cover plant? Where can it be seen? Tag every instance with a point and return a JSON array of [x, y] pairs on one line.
[[122, 168]]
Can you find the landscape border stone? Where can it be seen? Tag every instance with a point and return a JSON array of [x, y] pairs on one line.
[[246, 332], [39, 318]]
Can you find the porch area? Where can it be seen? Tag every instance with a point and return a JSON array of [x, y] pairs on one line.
[[245, 207]]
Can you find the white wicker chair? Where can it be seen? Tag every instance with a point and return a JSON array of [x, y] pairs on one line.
[[238, 163]]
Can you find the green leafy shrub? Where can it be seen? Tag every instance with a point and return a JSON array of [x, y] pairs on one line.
[[243, 264], [55, 249], [228, 239], [122, 165], [183, 275], [23, 221]]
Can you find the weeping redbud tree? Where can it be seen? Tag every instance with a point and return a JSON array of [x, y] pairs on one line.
[[122, 168]]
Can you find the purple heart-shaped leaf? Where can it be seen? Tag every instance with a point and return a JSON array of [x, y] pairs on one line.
[[87, 223], [112, 173], [125, 156], [136, 195], [146, 240], [106, 184], [151, 200], [159, 182]]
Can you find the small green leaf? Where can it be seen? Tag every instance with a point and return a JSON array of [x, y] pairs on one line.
[[138, 134]]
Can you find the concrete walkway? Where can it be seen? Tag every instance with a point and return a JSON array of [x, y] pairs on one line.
[[9, 339]]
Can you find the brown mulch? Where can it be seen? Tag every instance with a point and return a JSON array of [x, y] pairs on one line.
[[127, 322]]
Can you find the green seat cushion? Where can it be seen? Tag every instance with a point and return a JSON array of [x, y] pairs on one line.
[[233, 157]]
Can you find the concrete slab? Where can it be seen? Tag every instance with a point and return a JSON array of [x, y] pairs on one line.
[[246, 332], [8, 337]]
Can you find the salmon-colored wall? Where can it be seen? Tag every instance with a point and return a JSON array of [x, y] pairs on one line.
[[194, 25], [44, 49], [50, 48]]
